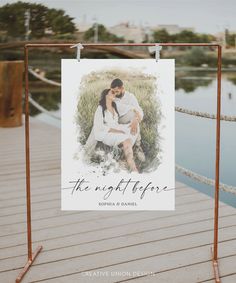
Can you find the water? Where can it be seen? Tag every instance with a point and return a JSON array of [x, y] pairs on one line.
[[195, 137]]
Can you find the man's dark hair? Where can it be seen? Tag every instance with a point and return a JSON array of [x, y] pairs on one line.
[[116, 83]]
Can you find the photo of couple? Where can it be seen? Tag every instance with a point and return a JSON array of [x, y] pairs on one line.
[[117, 122], [117, 116]]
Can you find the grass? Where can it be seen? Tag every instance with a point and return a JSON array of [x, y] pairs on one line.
[[143, 86]]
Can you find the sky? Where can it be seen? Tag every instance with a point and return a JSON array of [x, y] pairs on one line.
[[206, 16]]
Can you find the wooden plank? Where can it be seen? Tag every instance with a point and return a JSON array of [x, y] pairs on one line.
[[36, 183], [190, 273], [225, 279], [37, 207], [21, 207], [18, 169], [82, 227], [46, 172], [49, 213], [147, 257], [198, 272], [152, 236], [146, 215], [4, 211], [61, 221], [40, 198], [17, 226], [155, 225], [59, 241]]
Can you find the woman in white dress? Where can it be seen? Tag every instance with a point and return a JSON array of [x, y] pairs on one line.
[[108, 131]]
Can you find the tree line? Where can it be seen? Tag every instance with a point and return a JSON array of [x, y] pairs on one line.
[[56, 23], [42, 20]]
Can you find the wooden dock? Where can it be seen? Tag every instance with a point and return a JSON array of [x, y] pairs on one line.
[[102, 247]]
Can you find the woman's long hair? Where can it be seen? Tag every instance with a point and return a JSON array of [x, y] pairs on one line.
[[102, 102]]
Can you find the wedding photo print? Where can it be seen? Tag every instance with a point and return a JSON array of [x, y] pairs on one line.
[[118, 137]]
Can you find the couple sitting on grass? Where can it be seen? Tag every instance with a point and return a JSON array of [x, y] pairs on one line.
[[116, 122]]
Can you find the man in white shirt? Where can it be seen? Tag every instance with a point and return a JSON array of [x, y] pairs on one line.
[[129, 111]]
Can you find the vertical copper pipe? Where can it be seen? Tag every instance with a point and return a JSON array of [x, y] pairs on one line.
[[217, 165], [27, 156]]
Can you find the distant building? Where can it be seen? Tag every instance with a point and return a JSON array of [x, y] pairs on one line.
[[83, 26], [221, 38], [140, 33], [128, 31], [131, 32]]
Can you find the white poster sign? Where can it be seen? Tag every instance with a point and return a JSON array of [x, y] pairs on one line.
[[118, 134]]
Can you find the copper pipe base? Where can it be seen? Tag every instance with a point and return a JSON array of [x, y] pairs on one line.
[[215, 267], [28, 264]]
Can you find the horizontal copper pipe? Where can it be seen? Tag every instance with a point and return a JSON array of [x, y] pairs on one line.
[[119, 44]]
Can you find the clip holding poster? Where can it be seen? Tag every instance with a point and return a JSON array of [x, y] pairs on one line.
[[157, 48], [78, 47], [118, 135], [157, 51]]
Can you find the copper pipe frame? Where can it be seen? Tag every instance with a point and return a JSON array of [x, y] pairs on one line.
[[214, 249], [217, 169]]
